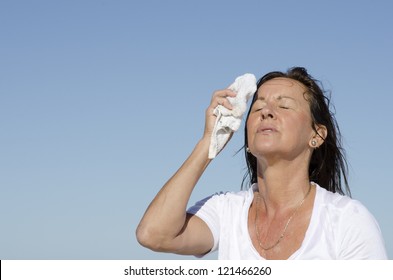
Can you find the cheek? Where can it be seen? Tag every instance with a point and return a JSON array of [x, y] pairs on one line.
[[249, 124], [303, 126]]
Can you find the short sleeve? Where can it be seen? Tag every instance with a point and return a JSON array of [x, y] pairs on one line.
[[359, 234], [207, 210]]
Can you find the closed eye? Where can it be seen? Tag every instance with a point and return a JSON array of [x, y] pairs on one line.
[[257, 108]]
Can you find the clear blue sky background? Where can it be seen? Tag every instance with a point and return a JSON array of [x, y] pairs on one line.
[[101, 101]]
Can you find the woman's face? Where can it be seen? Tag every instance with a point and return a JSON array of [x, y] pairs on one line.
[[279, 124]]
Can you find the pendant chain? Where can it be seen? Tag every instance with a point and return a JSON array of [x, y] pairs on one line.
[[286, 225]]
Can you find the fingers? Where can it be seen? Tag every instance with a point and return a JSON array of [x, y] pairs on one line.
[[220, 98]]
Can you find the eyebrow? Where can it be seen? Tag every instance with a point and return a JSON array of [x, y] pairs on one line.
[[280, 97]]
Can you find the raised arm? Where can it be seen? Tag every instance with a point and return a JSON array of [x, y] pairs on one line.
[[165, 225]]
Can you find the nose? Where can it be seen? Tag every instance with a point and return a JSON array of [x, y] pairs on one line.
[[267, 112]]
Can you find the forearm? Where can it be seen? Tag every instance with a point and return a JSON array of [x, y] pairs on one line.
[[164, 226], [166, 215]]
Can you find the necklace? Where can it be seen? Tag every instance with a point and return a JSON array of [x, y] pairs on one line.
[[286, 225]]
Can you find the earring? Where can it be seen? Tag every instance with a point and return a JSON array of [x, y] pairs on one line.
[[248, 150], [313, 142]]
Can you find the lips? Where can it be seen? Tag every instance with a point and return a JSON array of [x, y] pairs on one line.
[[266, 129]]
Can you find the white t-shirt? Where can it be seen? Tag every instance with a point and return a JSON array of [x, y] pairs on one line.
[[340, 228]]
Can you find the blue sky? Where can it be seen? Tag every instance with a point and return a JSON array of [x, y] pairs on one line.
[[101, 101]]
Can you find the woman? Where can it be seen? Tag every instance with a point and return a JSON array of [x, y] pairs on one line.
[[294, 208]]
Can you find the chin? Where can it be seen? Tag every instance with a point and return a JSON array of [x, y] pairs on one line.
[[265, 151]]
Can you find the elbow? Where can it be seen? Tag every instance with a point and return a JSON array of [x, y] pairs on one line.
[[150, 239]]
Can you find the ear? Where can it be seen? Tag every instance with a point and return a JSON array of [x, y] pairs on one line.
[[320, 134]]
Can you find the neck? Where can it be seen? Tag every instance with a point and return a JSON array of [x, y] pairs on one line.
[[282, 186]]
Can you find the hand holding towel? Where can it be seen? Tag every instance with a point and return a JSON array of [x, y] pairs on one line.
[[227, 120]]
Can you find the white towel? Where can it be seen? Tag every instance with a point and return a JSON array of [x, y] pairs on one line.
[[229, 121]]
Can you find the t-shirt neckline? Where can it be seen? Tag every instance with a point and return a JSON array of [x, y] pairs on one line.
[[307, 236]]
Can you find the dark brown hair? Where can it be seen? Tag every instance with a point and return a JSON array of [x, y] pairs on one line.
[[328, 166]]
